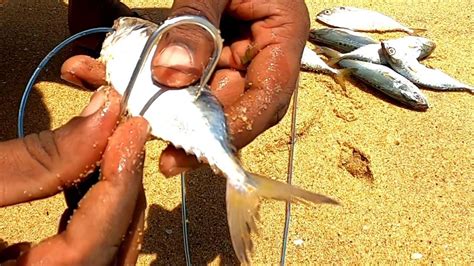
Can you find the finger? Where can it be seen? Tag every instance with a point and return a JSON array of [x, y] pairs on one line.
[[274, 22], [174, 161], [272, 79], [184, 52], [84, 71], [238, 40], [11, 253], [73, 196], [99, 225], [40, 165], [237, 55], [131, 246], [228, 86], [280, 33]]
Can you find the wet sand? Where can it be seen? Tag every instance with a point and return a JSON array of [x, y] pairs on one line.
[[409, 202]]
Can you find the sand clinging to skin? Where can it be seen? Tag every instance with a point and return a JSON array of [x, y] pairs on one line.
[[404, 178]]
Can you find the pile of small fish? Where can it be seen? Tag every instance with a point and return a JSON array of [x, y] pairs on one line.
[[390, 66]]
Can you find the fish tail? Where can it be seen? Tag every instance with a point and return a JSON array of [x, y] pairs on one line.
[[416, 31], [243, 204]]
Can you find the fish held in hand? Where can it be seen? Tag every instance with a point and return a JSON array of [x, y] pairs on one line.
[[310, 61], [402, 61], [342, 40], [360, 19], [197, 125], [388, 82]]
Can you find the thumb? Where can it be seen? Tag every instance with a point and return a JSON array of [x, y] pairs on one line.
[[184, 51]]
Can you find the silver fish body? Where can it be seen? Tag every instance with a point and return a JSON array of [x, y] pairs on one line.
[[196, 124], [360, 19], [371, 53], [342, 40], [402, 61], [388, 82], [417, 47]]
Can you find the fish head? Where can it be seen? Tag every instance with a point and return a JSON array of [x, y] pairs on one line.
[[327, 14], [316, 35], [426, 47], [393, 53], [414, 98]]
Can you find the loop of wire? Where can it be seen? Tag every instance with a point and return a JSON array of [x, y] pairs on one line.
[[42, 64]]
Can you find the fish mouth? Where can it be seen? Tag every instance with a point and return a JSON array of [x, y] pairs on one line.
[[313, 35], [418, 103], [385, 52], [421, 106]]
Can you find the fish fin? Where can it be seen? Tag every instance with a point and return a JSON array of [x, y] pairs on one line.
[[243, 204], [416, 31], [328, 52], [342, 75], [333, 61]]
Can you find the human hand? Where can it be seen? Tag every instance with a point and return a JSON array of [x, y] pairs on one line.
[[257, 71], [41, 165]]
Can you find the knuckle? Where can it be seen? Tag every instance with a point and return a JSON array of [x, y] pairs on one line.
[[42, 148], [280, 112], [198, 8]]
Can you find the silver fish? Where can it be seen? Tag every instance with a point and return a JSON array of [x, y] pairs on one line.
[[402, 61], [371, 53], [388, 82], [417, 47], [197, 125], [342, 40], [360, 19], [310, 61]]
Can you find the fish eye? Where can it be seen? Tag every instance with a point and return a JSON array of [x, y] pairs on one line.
[[327, 12], [418, 97], [391, 51]]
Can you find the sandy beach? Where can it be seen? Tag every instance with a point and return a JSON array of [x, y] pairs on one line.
[[409, 200]]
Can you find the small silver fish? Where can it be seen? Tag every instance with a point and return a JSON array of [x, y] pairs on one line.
[[417, 47], [310, 61], [342, 40], [360, 19], [197, 125], [388, 82], [401, 60], [371, 53]]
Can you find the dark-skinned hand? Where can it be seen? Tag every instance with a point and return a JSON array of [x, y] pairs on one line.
[[107, 225], [257, 71]]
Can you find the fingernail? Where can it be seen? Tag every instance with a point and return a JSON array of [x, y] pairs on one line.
[[97, 101], [175, 56]]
